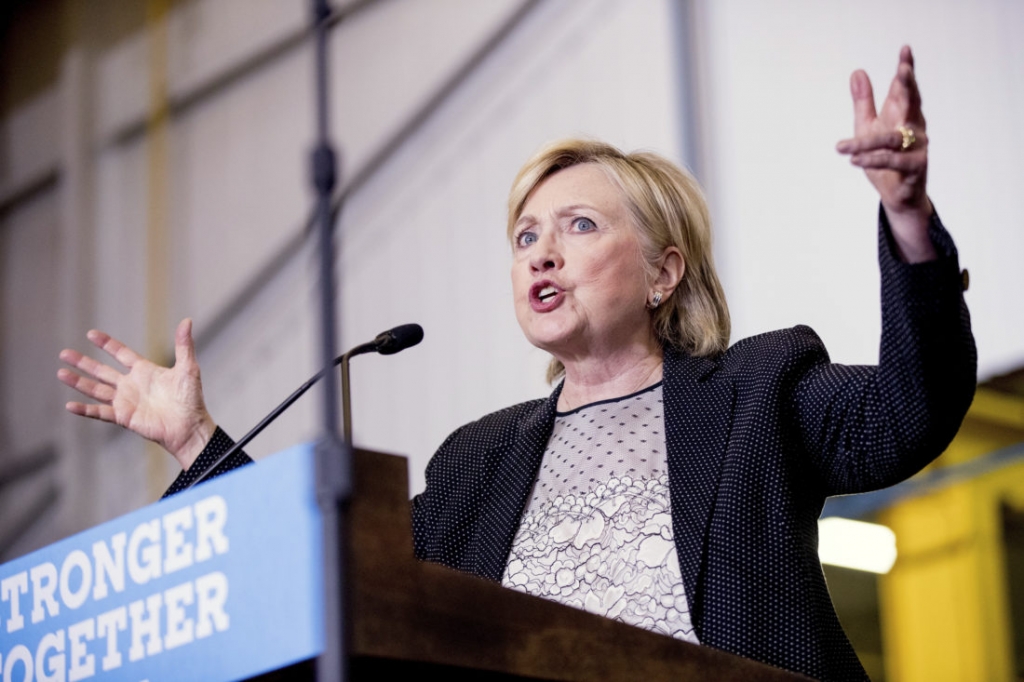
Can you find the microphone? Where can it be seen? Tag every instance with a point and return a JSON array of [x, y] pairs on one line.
[[398, 339], [390, 342]]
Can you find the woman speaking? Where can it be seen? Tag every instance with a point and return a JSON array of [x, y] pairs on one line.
[[669, 480]]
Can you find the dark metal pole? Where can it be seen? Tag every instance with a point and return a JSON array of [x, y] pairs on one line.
[[333, 456]]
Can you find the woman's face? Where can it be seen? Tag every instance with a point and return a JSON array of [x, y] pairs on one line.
[[577, 274]]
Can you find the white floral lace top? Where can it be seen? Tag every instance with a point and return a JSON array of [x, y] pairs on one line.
[[597, 532]]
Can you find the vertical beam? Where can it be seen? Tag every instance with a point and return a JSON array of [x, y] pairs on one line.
[[693, 53], [76, 439], [944, 606], [157, 205], [689, 63]]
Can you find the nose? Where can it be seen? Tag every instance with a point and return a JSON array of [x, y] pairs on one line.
[[546, 254]]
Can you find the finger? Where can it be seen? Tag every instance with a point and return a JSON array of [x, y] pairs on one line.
[[86, 386], [897, 161], [864, 111], [101, 412], [907, 55], [903, 92], [909, 80], [891, 140], [88, 365], [184, 346], [120, 352]]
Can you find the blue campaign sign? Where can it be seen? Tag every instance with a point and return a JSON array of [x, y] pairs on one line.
[[218, 583]]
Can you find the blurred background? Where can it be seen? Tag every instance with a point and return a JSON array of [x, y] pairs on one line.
[[154, 165]]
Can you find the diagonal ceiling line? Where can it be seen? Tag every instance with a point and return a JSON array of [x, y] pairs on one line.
[[865, 504], [27, 518], [19, 468], [365, 173], [180, 104]]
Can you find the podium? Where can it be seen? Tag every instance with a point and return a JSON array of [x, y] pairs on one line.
[[254, 602], [410, 616]]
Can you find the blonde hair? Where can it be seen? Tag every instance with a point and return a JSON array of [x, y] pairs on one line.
[[668, 209]]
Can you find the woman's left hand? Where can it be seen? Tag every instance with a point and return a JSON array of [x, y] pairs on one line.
[[892, 147]]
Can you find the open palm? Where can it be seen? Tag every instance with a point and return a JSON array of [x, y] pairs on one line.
[[162, 404]]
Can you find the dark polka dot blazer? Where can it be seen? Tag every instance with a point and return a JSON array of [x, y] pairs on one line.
[[756, 439]]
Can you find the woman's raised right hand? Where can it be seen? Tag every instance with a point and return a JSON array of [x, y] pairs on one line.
[[162, 404]]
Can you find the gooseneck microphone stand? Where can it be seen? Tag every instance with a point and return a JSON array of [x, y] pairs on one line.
[[333, 454]]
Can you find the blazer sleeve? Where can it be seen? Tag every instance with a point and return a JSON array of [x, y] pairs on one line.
[[218, 445], [870, 427]]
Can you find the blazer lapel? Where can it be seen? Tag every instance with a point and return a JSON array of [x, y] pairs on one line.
[[698, 418], [503, 505]]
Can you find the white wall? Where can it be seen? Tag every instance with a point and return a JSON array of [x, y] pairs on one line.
[[797, 223], [426, 240], [423, 240], [235, 175]]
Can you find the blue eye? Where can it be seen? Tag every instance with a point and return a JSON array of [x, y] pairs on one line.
[[584, 225], [525, 238]]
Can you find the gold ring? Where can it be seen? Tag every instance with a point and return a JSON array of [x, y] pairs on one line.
[[908, 137]]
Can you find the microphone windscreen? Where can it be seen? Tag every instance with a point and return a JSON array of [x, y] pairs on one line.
[[398, 339]]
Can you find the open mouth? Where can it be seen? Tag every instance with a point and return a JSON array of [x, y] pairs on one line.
[[547, 293]]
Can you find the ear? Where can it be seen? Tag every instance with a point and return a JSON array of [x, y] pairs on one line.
[[671, 268]]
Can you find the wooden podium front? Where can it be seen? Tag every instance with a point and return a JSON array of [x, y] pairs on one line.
[[411, 617]]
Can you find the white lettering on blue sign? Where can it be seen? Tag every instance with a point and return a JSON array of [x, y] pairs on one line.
[[172, 591], [168, 619]]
